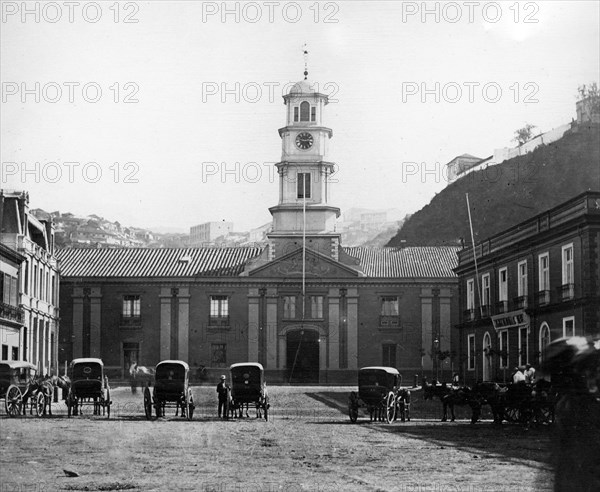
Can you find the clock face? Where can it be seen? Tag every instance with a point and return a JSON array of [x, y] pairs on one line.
[[304, 140]]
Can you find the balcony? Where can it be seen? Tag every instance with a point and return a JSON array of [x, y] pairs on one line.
[[542, 297], [131, 321], [469, 314], [520, 302], [12, 313], [567, 291], [389, 321], [502, 307], [218, 321]]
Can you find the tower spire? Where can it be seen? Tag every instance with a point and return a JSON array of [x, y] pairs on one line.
[[305, 51]]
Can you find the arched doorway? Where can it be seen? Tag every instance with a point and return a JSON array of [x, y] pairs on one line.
[[487, 357], [544, 340], [302, 356]]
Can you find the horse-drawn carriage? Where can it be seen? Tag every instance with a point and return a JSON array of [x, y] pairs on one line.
[[380, 393], [89, 386], [171, 389], [524, 403], [248, 386], [16, 381]]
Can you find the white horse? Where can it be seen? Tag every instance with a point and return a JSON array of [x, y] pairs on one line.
[[140, 374]]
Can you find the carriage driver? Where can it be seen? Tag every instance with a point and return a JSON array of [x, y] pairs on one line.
[[529, 374], [222, 393]]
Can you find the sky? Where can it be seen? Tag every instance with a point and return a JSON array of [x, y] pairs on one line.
[[165, 114]]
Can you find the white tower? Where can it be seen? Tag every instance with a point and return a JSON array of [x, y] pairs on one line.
[[303, 214]]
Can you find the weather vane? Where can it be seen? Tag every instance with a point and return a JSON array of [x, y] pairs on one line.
[[305, 51]]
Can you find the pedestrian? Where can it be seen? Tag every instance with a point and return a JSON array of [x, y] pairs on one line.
[[222, 394], [455, 379], [529, 374], [518, 376]]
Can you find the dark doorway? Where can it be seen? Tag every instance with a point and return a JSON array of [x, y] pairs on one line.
[[303, 356]]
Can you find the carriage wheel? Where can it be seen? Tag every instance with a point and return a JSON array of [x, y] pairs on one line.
[[512, 414], [390, 410], [147, 403], [70, 403], [40, 404], [13, 401], [189, 411], [107, 403]]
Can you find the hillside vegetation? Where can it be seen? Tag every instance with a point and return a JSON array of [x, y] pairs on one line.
[[501, 196]]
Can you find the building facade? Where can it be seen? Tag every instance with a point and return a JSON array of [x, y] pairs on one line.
[[304, 306], [202, 234], [38, 280], [11, 314], [533, 283]]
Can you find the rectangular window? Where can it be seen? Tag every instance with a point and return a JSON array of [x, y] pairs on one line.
[[131, 306], [303, 185], [219, 310], [544, 272], [523, 346], [471, 352], [26, 278], [389, 355], [316, 307], [4, 352], [471, 294], [567, 272], [503, 284], [569, 326], [313, 113], [289, 307], [389, 306], [522, 279], [485, 293], [296, 113], [218, 357], [503, 336], [15, 353]]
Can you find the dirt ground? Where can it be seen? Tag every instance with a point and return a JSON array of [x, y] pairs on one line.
[[307, 444]]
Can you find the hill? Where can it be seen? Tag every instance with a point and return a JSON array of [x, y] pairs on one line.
[[508, 193]]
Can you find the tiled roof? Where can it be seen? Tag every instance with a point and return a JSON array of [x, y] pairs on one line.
[[154, 262], [417, 261]]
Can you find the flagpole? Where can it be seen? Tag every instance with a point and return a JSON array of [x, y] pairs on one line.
[[474, 256]]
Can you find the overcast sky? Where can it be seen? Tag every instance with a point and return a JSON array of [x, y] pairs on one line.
[[162, 117]]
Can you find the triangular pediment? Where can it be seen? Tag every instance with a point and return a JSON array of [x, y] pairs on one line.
[[317, 266]]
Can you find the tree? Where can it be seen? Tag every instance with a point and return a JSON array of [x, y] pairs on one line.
[[524, 134], [591, 96]]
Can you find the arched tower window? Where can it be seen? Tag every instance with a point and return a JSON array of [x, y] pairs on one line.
[[304, 111], [544, 340]]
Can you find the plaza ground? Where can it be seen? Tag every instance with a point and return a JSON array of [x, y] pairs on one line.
[[308, 443]]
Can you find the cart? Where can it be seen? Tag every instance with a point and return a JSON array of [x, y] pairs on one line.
[[16, 378], [171, 389], [380, 394], [248, 386], [89, 387]]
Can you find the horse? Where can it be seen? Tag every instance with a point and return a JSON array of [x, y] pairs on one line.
[[142, 374], [451, 396], [574, 366], [40, 384], [403, 405]]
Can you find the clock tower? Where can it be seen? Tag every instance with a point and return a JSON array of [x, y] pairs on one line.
[[303, 214]]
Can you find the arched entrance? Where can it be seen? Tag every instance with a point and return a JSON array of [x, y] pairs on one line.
[[487, 357], [302, 356]]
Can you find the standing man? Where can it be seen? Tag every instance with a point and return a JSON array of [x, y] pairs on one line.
[[222, 393], [529, 374]]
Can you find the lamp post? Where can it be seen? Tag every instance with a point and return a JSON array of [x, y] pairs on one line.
[[436, 352]]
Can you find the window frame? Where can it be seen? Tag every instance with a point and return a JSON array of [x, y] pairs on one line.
[[471, 352], [486, 290], [289, 302], [566, 320], [303, 191], [502, 338], [387, 350], [544, 272], [471, 294], [522, 287], [503, 284], [131, 301]]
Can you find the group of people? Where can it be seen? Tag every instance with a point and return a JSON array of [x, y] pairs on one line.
[[524, 374]]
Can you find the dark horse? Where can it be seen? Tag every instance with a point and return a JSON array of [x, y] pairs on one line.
[[574, 365], [451, 396]]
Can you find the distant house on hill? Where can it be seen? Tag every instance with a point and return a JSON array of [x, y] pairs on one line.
[[460, 165]]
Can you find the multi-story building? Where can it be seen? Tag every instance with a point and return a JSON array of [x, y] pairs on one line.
[[203, 234], [38, 281], [11, 314], [531, 284], [304, 306]]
